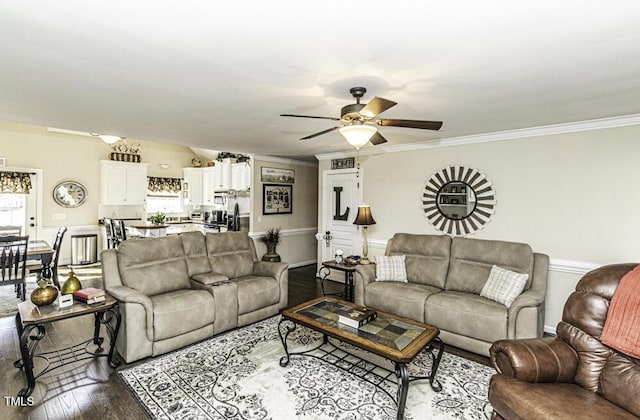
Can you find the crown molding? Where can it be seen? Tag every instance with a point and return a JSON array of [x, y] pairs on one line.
[[547, 130], [285, 161]]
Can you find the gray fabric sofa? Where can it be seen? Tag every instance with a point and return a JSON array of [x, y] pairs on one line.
[[445, 277], [176, 290]]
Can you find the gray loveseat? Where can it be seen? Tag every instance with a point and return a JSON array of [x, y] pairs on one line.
[[445, 277], [177, 290]]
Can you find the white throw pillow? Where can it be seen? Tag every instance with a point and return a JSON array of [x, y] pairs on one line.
[[391, 268], [503, 285]]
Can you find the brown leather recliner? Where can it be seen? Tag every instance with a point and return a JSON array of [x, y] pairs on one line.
[[572, 375]]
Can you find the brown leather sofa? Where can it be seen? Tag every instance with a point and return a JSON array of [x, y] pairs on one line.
[[572, 375]]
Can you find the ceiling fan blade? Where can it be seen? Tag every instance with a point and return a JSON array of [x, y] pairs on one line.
[[310, 116], [377, 139], [376, 106], [426, 125], [320, 133]]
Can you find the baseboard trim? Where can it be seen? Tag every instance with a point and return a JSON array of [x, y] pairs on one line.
[[550, 330], [302, 263]]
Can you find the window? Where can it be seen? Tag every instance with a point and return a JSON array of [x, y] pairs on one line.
[[164, 195], [165, 203], [12, 209]]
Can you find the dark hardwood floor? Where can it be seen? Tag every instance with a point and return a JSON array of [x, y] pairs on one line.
[[89, 389]]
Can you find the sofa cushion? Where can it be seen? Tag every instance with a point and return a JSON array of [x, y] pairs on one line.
[[195, 251], [230, 253], [504, 286], [472, 259], [427, 257], [154, 265], [468, 315], [180, 312], [391, 268], [404, 299], [255, 292]]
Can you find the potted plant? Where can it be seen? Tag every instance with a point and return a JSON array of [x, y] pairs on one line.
[[157, 219], [271, 239]]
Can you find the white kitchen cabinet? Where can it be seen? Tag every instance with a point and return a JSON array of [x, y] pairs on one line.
[[193, 179], [123, 183], [240, 176], [210, 180]]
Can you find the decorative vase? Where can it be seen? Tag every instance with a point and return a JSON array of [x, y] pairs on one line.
[[44, 294], [271, 254], [71, 284]]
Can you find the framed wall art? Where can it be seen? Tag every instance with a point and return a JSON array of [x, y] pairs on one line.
[[279, 175], [277, 199]]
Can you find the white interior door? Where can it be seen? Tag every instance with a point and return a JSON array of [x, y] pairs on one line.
[[31, 210], [341, 197]]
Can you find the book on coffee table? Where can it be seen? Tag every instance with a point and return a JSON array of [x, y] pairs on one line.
[[357, 317]]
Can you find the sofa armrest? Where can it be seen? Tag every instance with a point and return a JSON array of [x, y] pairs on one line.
[[269, 269], [127, 295], [547, 359], [280, 272], [364, 275]]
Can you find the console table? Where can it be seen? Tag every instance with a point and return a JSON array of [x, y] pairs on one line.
[[31, 323]]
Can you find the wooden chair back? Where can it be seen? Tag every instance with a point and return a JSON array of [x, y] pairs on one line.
[[13, 262]]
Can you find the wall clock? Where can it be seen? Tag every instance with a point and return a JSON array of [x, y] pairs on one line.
[[70, 194]]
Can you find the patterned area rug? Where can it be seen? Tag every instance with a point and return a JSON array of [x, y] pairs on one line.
[[237, 375], [89, 276]]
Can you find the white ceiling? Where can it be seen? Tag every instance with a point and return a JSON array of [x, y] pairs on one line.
[[216, 75]]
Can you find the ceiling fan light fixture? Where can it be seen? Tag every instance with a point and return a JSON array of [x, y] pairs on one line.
[[358, 135], [109, 139]]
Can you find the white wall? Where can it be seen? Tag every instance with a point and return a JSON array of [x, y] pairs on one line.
[[297, 244], [571, 196]]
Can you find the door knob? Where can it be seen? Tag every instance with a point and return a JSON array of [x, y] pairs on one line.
[[327, 237]]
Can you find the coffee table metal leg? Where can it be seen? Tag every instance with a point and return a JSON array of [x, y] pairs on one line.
[[284, 360], [402, 373], [435, 384], [27, 356]]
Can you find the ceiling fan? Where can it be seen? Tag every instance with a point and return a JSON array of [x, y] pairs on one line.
[[359, 121]]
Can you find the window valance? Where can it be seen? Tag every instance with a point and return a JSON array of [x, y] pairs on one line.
[[164, 185], [15, 183]]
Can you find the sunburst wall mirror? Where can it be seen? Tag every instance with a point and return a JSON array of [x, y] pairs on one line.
[[458, 200]]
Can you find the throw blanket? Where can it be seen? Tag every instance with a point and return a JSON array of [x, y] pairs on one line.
[[622, 327]]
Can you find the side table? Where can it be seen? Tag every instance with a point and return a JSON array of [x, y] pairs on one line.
[[30, 318], [348, 270]]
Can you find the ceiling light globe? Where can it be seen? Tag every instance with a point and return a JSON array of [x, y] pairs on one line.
[[109, 139], [358, 135]]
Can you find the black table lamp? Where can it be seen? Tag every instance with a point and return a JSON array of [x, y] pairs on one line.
[[364, 219]]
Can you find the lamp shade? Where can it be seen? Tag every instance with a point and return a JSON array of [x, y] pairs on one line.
[[358, 135], [364, 216]]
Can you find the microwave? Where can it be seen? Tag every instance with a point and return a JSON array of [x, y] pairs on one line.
[[220, 199]]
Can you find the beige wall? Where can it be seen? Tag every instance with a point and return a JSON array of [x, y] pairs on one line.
[[571, 196], [298, 229], [63, 156]]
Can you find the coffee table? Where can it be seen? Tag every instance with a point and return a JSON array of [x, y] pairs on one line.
[[390, 336]]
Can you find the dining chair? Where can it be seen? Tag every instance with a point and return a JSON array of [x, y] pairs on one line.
[[13, 263], [119, 232], [38, 268], [110, 235]]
